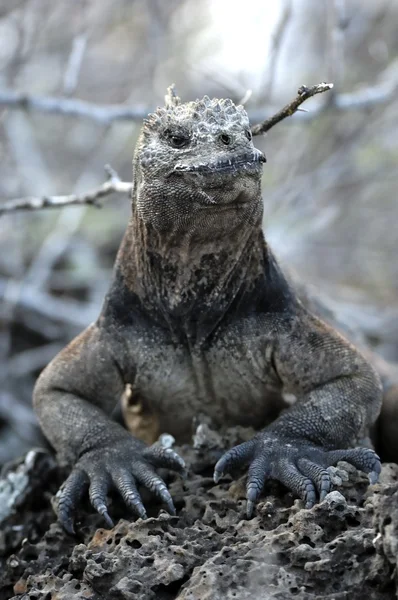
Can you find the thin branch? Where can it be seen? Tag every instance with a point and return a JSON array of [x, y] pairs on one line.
[[114, 184], [71, 107], [303, 94], [106, 114], [363, 98]]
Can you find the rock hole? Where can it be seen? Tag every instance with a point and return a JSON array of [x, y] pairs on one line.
[[134, 544], [282, 558], [30, 554], [169, 591], [364, 556], [352, 521], [307, 540]]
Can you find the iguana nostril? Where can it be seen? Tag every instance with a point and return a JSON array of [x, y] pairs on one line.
[[226, 139]]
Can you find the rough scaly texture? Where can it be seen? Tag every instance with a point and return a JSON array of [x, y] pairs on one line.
[[199, 319]]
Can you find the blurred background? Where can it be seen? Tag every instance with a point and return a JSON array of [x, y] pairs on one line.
[[329, 187]]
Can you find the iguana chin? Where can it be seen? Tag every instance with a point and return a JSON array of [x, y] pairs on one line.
[[199, 318]]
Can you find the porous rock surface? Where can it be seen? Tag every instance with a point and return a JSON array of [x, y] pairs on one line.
[[344, 548]]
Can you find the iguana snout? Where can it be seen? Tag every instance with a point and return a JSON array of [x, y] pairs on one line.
[[227, 163]]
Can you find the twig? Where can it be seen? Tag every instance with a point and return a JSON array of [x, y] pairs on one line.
[[106, 114], [303, 94], [114, 184], [71, 107]]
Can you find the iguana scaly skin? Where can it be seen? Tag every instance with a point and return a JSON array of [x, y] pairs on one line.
[[199, 318]]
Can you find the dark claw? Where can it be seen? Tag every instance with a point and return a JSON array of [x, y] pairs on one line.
[[258, 473], [363, 459], [159, 456], [73, 489], [318, 474], [104, 512], [309, 493], [98, 491], [148, 478], [125, 483], [236, 457], [290, 476], [167, 499], [373, 477]]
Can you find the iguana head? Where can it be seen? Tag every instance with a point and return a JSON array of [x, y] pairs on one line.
[[197, 159]]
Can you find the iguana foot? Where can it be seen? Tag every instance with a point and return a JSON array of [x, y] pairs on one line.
[[298, 464], [120, 466]]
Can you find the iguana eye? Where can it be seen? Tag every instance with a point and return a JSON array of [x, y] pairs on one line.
[[225, 138], [248, 134], [178, 140]]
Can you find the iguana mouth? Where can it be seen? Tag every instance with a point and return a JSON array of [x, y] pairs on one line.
[[232, 164]]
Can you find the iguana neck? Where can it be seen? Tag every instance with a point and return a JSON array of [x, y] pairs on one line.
[[184, 279]]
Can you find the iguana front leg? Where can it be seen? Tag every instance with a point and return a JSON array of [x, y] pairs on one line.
[[71, 399], [338, 399]]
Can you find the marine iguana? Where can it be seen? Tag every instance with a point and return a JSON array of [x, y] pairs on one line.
[[200, 318]]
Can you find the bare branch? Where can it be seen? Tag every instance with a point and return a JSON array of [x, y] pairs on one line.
[[106, 114], [71, 107], [363, 98], [92, 197], [303, 94]]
